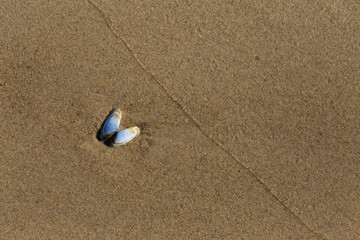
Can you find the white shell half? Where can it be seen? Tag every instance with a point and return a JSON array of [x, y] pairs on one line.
[[111, 124], [124, 136]]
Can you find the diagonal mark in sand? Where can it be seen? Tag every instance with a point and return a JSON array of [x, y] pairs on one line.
[[197, 124]]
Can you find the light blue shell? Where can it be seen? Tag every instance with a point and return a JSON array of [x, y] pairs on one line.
[[111, 124], [124, 136]]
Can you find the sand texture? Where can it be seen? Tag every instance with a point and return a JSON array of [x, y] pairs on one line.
[[249, 112]]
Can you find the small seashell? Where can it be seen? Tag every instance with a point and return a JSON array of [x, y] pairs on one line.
[[111, 124], [124, 136]]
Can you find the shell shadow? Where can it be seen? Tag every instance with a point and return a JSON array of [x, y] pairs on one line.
[[98, 134], [107, 142]]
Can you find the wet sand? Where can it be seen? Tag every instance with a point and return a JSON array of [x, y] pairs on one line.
[[249, 116]]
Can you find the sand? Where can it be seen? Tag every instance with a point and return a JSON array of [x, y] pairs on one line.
[[249, 114]]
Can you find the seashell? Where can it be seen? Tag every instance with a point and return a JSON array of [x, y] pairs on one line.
[[124, 136], [111, 124]]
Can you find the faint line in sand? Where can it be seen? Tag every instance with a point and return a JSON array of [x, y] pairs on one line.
[[197, 124]]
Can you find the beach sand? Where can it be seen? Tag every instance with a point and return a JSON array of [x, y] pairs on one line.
[[249, 114]]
